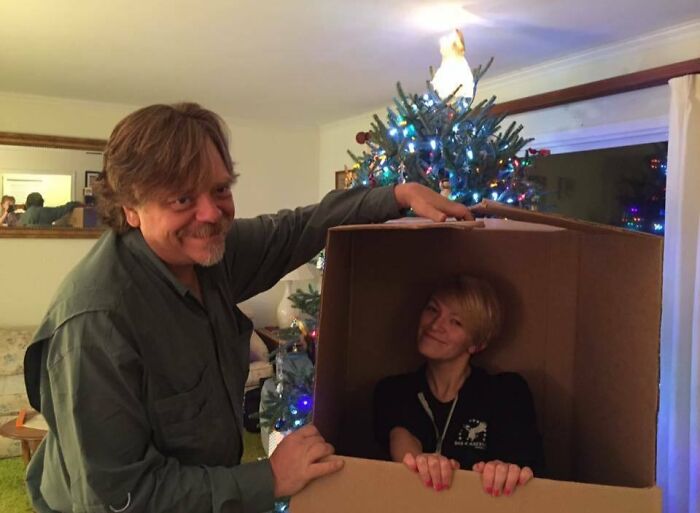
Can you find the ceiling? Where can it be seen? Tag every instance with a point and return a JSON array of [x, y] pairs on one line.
[[306, 61]]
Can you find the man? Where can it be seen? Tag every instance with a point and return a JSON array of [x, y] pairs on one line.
[[140, 363], [36, 214]]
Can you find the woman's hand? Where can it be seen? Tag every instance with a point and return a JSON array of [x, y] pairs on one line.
[[433, 469], [499, 478]]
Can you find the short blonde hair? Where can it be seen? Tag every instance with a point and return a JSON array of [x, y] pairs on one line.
[[480, 309], [156, 151]]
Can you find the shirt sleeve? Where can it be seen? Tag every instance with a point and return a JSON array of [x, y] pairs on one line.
[[263, 249], [513, 435], [94, 407]]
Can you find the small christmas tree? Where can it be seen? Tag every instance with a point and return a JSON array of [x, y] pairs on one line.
[[644, 198], [450, 145]]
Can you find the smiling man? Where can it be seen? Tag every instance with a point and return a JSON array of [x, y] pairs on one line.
[[140, 363]]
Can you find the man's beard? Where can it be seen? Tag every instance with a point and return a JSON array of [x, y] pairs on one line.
[[215, 249]]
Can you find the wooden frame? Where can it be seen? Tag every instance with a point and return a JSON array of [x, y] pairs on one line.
[[340, 180], [52, 141], [90, 177], [615, 85]]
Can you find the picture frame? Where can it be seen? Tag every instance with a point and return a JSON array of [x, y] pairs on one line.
[[340, 180], [90, 177]]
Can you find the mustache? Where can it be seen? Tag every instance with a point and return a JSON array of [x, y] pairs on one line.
[[204, 230]]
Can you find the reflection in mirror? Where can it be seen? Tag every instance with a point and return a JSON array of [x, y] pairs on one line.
[[61, 175]]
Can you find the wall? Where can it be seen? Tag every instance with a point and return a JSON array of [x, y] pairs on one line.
[[278, 167], [633, 118]]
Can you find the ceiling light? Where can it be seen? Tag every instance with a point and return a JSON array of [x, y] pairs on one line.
[[444, 16]]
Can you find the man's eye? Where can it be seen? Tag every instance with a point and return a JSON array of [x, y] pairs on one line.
[[181, 202]]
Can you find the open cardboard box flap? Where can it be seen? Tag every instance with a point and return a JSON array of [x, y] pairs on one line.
[[582, 305], [368, 486]]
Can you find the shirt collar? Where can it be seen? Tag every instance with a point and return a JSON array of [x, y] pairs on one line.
[[133, 239]]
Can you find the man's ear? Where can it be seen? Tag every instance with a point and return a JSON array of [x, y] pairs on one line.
[[132, 217]]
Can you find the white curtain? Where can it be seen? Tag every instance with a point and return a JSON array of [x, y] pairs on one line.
[[678, 442]]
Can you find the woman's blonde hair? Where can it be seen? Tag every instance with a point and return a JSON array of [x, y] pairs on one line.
[[480, 309], [157, 151]]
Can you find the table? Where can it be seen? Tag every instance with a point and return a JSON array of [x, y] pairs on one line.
[[29, 438]]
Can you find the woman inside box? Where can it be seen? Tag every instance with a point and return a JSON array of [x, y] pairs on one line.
[[449, 414]]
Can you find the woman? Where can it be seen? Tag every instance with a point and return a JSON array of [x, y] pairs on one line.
[[450, 414]]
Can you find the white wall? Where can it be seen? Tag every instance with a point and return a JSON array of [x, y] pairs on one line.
[[278, 167], [643, 113]]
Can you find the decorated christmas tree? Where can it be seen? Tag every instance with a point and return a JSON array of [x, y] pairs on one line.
[[448, 143], [644, 198]]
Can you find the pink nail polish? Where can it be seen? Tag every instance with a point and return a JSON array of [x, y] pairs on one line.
[[506, 492], [489, 490], [429, 484], [496, 493]]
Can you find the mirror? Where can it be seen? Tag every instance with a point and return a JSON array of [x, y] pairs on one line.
[[60, 169]]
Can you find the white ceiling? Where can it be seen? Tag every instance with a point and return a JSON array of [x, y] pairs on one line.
[[311, 61]]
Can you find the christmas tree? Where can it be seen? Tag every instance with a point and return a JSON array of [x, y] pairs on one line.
[[449, 144], [644, 198]]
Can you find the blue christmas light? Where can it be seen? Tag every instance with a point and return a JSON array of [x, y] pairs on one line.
[[658, 227], [411, 147], [470, 154], [298, 423], [476, 197], [494, 196], [433, 144], [393, 132], [509, 200], [304, 402]]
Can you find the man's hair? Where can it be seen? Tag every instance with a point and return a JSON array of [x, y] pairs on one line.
[[34, 199], [480, 309], [155, 152]]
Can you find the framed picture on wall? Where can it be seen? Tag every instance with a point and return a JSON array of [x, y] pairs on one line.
[[340, 180], [90, 177]]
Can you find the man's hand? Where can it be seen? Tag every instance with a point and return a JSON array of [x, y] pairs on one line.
[[433, 469], [498, 477], [427, 203], [296, 460]]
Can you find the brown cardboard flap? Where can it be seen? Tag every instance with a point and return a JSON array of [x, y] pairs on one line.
[[412, 223], [367, 486], [495, 208]]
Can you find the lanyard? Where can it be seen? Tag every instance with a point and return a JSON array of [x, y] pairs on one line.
[[426, 407]]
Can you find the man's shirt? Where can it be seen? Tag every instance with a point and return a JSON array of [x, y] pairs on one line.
[[142, 385]]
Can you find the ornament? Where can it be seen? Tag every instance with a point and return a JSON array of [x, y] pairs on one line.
[[362, 137], [445, 188]]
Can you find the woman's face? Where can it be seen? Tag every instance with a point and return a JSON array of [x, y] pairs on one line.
[[441, 331]]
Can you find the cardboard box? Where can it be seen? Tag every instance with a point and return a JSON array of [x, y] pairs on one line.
[[84, 217], [583, 309]]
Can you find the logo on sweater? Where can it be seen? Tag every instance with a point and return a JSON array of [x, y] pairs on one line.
[[473, 434]]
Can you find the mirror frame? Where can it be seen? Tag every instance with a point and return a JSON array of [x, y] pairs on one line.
[[51, 141]]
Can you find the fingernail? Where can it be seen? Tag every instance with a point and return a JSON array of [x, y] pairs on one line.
[[438, 487], [429, 484], [507, 491], [489, 490], [496, 493]]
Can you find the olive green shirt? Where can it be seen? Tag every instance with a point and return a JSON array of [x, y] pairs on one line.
[[142, 385], [45, 216]]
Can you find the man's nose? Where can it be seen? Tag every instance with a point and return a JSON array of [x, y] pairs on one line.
[[207, 209]]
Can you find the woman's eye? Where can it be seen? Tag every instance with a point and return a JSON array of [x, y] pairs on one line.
[[456, 322]]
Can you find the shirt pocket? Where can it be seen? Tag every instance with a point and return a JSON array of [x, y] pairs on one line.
[[182, 417]]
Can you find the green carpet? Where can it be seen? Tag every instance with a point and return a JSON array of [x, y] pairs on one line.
[[13, 495]]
